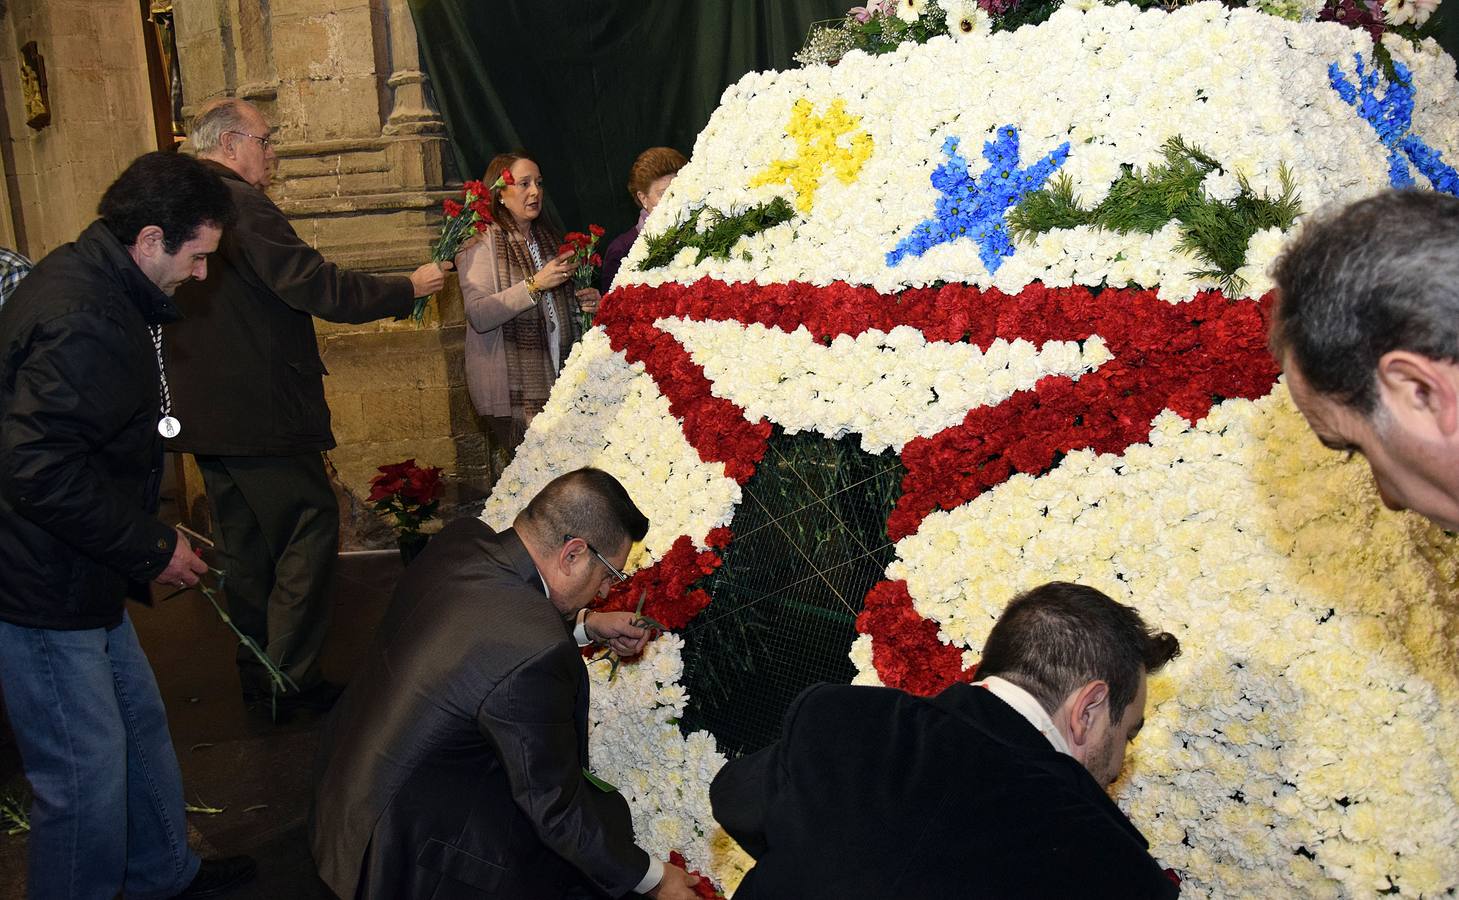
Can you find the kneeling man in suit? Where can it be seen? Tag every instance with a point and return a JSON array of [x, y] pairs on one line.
[[993, 789], [455, 763]]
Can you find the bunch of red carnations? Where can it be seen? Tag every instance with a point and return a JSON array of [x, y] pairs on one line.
[[461, 220]]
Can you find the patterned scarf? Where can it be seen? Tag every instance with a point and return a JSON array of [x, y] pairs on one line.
[[530, 372]]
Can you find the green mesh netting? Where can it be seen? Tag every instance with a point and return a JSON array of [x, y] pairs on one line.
[[809, 541]]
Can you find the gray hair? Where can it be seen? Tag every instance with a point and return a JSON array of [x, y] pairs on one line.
[[1379, 275], [216, 117]]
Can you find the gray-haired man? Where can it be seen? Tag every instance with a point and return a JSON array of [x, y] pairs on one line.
[[1367, 330], [249, 392]]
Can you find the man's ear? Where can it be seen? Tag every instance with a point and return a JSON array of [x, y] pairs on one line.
[[150, 242], [1422, 393], [570, 554], [1089, 704]]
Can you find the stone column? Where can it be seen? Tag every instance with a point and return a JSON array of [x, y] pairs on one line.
[[362, 176]]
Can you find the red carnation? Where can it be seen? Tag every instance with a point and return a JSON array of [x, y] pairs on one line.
[[595, 230], [451, 208]]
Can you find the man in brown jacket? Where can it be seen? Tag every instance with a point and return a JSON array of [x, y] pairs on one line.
[[248, 388]]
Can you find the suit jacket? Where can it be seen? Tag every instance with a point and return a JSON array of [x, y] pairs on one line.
[[452, 765], [873, 793], [243, 364]]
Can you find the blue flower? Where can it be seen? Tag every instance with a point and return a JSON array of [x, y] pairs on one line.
[[974, 208], [1391, 117]]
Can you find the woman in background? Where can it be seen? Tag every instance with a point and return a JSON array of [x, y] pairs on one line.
[[521, 313], [647, 181]]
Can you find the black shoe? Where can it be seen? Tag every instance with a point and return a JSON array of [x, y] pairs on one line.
[[317, 697], [219, 876]]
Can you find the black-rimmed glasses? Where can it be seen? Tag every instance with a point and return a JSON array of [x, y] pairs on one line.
[[618, 573]]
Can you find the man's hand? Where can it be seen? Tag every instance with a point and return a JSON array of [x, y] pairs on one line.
[[616, 629], [429, 278], [675, 885], [588, 299], [185, 567]]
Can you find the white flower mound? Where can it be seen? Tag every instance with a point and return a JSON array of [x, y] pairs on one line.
[[887, 387], [1305, 744], [635, 744], [605, 413], [1115, 83], [1308, 709]]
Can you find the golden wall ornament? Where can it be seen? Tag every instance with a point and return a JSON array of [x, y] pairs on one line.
[[33, 85]]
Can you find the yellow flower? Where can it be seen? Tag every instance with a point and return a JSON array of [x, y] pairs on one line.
[[818, 147]]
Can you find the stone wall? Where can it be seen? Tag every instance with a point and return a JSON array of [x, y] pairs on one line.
[[362, 172], [101, 115]]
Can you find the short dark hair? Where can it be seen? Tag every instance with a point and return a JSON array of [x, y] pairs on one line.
[[174, 192], [586, 503], [1378, 275], [1054, 639]]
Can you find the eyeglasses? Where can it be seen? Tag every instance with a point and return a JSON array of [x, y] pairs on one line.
[[618, 573], [263, 142]]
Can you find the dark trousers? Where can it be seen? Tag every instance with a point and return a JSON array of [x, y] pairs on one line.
[[277, 524]]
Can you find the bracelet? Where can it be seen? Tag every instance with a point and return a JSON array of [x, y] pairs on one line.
[[532, 284]]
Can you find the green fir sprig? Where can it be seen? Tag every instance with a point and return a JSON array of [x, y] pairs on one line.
[[1216, 232], [14, 818], [720, 232]]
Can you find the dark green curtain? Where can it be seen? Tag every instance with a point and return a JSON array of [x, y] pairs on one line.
[[585, 85]]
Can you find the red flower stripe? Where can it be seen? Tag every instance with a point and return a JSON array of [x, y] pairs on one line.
[[1182, 356], [669, 599], [905, 648]]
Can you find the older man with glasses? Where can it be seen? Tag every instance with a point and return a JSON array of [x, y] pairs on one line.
[[248, 388], [456, 764]]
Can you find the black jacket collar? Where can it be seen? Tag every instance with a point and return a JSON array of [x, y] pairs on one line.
[[101, 248], [982, 710]]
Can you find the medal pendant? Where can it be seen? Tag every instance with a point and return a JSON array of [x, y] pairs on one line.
[[169, 427]]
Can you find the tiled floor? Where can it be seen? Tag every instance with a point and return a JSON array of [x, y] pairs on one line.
[[235, 759]]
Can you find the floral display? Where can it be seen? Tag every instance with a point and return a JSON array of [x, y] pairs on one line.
[[1032, 262]]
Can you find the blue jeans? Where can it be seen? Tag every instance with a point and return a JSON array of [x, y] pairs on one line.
[[107, 817]]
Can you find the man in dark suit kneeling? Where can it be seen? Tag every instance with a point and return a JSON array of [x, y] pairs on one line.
[[455, 764], [993, 789]]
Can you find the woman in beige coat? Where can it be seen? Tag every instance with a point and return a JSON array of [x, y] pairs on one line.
[[521, 313]]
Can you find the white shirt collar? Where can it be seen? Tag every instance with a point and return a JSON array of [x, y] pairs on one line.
[[1026, 705]]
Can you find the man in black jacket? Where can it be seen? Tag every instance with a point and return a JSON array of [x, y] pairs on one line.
[[83, 400], [249, 382], [456, 764], [995, 789]]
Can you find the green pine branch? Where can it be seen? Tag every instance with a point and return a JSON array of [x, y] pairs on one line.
[[720, 232], [1216, 232]]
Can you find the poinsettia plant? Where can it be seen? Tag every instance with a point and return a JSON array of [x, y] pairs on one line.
[[407, 492]]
